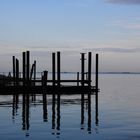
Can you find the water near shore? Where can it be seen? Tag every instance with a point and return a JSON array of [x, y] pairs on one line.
[[119, 114]]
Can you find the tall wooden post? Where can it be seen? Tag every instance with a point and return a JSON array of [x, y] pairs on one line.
[[14, 69], [82, 67], [58, 68], [34, 72], [53, 68], [89, 68], [28, 65], [97, 63], [17, 72], [23, 68]]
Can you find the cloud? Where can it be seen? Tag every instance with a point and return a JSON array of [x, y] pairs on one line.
[[115, 50], [123, 1]]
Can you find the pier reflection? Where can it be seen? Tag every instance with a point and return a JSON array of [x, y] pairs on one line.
[[26, 101]]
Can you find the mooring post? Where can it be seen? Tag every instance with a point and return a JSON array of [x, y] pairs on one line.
[[89, 68], [53, 69], [28, 66], [17, 72], [97, 61], [82, 68], [23, 68], [58, 69], [14, 69], [34, 71]]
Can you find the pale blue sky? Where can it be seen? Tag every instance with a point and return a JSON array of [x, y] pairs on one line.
[[109, 27]]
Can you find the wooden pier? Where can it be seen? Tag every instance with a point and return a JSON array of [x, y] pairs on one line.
[[27, 80]]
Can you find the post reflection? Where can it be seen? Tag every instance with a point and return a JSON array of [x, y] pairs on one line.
[[56, 114], [15, 105], [25, 112], [45, 113], [55, 101], [87, 102]]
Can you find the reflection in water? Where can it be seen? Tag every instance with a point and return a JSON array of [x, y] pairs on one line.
[[15, 105], [56, 102], [25, 112]]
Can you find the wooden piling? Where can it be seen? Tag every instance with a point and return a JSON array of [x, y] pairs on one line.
[[89, 67], [23, 68], [17, 72], [28, 65], [53, 69], [58, 69], [34, 71], [97, 61], [14, 69], [82, 68]]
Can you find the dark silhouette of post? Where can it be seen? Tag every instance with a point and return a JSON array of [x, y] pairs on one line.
[[82, 68], [82, 83], [14, 69], [89, 68], [53, 68], [17, 72], [97, 63], [28, 66], [34, 71], [58, 69], [45, 77], [23, 67]]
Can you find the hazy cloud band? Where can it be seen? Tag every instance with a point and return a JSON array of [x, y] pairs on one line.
[[115, 50], [123, 1]]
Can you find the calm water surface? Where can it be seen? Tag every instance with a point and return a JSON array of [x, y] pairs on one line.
[[119, 114]]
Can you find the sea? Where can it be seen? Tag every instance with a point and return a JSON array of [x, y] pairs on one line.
[[117, 117]]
